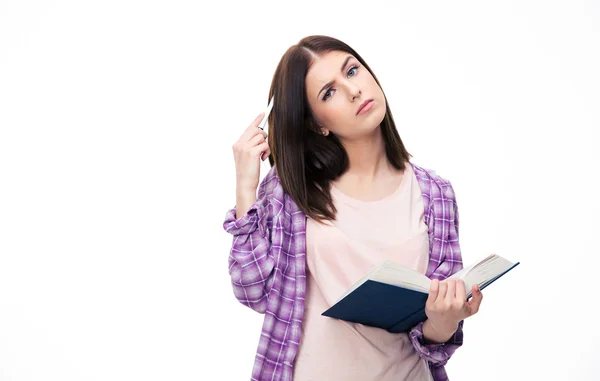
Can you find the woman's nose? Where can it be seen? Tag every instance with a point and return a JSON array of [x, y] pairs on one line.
[[354, 91]]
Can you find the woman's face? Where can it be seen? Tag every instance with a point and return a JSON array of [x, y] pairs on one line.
[[337, 85]]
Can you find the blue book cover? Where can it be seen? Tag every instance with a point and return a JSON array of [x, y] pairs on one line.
[[382, 299], [382, 305]]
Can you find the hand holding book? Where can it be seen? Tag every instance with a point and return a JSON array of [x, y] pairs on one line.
[[446, 306], [396, 298]]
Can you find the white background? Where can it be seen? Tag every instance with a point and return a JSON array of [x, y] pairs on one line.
[[116, 171]]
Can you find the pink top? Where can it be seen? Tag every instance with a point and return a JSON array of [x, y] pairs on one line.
[[364, 234]]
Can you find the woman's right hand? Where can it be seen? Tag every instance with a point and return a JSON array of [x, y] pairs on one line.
[[248, 151]]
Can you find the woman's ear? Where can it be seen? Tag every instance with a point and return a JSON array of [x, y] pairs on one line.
[[320, 129], [317, 127]]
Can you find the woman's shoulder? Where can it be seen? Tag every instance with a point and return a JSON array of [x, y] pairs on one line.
[[432, 183], [270, 186], [271, 190], [278, 202]]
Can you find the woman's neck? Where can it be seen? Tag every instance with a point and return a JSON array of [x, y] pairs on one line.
[[367, 159]]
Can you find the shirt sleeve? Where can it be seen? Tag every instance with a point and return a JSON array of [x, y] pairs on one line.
[[438, 354], [250, 261]]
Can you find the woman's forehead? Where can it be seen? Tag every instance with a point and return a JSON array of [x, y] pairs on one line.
[[325, 67], [329, 61]]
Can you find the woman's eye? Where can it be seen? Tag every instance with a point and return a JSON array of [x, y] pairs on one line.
[[353, 68], [351, 73]]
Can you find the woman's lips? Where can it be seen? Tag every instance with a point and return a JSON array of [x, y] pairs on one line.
[[366, 106]]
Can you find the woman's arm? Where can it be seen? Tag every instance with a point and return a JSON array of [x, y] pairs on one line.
[[437, 346], [250, 261]]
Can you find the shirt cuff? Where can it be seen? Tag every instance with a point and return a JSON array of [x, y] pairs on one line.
[[435, 353], [247, 224]]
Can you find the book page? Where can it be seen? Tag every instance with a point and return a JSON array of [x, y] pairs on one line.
[[486, 270], [392, 273], [461, 273]]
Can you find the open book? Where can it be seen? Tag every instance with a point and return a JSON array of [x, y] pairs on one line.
[[393, 297]]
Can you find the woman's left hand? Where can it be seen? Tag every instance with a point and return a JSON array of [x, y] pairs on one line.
[[447, 305]]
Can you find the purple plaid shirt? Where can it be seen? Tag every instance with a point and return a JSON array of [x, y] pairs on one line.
[[267, 265]]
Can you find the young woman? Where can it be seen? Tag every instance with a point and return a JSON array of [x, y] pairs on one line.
[[341, 197]]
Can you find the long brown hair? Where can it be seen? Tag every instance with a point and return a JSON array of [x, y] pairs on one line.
[[306, 161]]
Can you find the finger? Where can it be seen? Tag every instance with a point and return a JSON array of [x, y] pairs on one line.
[[259, 149], [442, 292], [266, 154], [475, 301], [256, 121], [253, 127], [451, 291], [433, 291], [251, 134], [260, 132], [256, 140], [461, 291]]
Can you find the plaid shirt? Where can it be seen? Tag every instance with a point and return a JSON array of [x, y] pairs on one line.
[[267, 265]]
